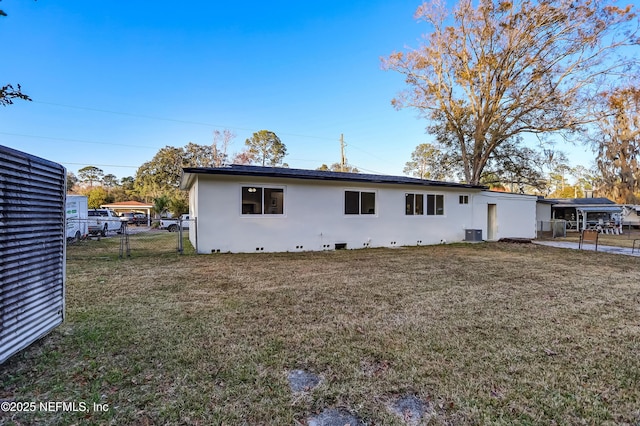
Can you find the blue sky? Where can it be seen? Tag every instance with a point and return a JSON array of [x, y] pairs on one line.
[[113, 82]]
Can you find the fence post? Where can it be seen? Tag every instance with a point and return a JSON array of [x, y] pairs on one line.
[[125, 249], [180, 247]]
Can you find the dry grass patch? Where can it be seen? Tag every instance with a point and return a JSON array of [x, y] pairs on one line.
[[489, 333]]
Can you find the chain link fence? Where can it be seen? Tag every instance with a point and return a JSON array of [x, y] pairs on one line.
[[559, 228], [555, 228], [123, 240]]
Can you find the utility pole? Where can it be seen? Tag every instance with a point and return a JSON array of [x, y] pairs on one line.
[[343, 159]]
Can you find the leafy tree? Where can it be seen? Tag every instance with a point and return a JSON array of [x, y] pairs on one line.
[[617, 142], [127, 182], [178, 206], [489, 73], [197, 155], [585, 178], [493, 181], [110, 181], [71, 181], [90, 174], [517, 167], [266, 148], [98, 196], [337, 167], [7, 92], [162, 174], [118, 194], [427, 162], [161, 205]]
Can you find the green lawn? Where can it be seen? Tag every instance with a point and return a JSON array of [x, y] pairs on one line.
[[491, 333]]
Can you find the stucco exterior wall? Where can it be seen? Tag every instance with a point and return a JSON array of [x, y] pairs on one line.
[[313, 217], [543, 216], [515, 215]]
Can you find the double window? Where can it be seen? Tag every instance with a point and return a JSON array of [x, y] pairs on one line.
[[414, 204], [359, 202], [262, 200], [463, 199]]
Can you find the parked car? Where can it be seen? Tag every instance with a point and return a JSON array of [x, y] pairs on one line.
[[141, 219], [134, 218], [171, 224], [102, 221]]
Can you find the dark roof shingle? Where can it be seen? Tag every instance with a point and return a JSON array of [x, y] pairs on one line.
[[280, 172]]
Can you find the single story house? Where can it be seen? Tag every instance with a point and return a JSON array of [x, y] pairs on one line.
[[581, 213], [264, 209]]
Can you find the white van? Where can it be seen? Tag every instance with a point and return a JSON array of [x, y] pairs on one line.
[[77, 217]]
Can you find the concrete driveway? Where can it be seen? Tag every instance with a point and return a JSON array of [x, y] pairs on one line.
[[592, 247]]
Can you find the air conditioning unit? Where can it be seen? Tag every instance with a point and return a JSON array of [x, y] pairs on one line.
[[473, 235]]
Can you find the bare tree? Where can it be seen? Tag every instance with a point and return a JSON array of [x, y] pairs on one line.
[[617, 142], [489, 73], [220, 145], [8, 94], [243, 157]]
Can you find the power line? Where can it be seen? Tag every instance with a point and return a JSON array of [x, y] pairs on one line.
[[77, 140], [99, 165], [174, 120], [161, 119], [198, 123]]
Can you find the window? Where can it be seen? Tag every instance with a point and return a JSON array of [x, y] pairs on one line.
[[414, 204], [358, 202], [463, 199], [435, 205], [258, 200]]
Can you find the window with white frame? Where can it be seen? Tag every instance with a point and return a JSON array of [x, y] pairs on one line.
[[463, 199], [435, 204], [257, 200], [359, 202], [414, 204]]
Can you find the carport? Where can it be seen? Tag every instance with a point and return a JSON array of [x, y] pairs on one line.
[[128, 206], [591, 217]]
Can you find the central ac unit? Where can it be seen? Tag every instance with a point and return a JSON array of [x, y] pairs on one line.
[[473, 235]]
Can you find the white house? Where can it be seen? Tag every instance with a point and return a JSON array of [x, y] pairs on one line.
[[264, 209]]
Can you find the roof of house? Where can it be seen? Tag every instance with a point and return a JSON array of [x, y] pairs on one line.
[[127, 205], [579, 202], [280, 172]]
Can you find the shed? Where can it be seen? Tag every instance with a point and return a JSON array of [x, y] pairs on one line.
[[263, 209], [32, 249]]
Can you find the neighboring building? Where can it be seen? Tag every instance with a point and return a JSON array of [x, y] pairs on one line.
[[129, 206], [263, 209], [631, 215], [580, 213]]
